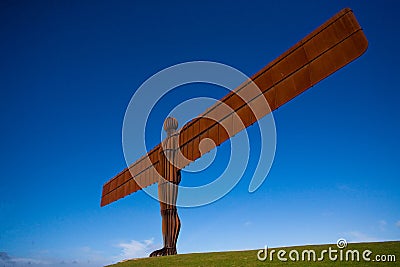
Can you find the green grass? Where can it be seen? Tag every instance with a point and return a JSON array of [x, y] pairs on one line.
[[249, 258]]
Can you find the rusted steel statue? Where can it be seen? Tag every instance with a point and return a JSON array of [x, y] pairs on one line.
[[167, 193], [331, 46]]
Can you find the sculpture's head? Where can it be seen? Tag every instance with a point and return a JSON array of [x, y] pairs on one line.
[[170, 125]]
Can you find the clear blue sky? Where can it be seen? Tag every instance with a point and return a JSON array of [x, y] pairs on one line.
[[68, 70]]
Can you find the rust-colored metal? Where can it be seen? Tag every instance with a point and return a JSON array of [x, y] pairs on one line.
[[331, 46], [167, 189], [124, 183]]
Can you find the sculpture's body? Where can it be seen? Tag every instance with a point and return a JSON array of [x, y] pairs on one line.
[[334, 44], [167, 192]]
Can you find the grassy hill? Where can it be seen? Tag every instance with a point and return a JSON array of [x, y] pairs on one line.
[[384, 250]]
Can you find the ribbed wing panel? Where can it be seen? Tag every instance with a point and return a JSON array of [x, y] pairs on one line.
[[331, 46], [139, 175]]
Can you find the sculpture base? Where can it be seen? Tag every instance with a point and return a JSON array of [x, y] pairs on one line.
[[163, 252]]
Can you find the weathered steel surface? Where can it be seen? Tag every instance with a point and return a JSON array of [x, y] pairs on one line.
[[123, 184], [331, 46], [167, 189]]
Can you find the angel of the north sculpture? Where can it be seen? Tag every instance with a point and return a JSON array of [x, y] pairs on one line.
[[334, 44]]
